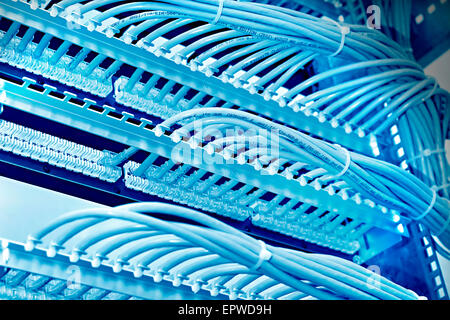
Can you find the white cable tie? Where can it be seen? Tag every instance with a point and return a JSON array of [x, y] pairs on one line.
[[219, 12], [345, 30], [428, 210], [264, 255], [426, 153], [347, 162]]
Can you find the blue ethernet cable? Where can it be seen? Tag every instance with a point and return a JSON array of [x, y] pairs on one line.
[[279, 70], [269, 46], [132, 33], [164, 29]]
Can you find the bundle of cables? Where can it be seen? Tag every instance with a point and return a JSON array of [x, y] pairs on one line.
[[191, 248], [380, 181], [370, 85]]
